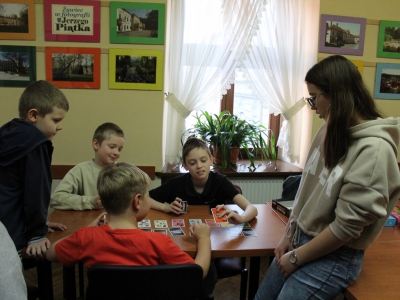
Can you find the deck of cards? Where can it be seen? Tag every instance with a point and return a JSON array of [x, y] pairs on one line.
[[184, 207]]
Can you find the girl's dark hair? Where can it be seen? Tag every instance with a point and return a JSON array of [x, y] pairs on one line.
[[342, 83]]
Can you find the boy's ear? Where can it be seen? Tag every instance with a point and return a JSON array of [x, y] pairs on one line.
[[95, 144], [136, 202], [32, 115]]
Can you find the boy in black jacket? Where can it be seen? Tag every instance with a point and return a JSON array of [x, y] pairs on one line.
[[25, 159]]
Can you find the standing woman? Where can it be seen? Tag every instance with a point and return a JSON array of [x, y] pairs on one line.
[[350, 184]]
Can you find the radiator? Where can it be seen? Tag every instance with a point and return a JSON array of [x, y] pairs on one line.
[[258, 191]]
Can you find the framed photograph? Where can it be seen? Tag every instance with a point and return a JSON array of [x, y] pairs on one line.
[[17, 20], [136, 69], [389, 39], [75, 68], [342, 35], [17, 65], [72, 21], [137, 23], [387, 81]]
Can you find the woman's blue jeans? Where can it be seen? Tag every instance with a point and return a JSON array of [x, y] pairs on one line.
[[323, 278]]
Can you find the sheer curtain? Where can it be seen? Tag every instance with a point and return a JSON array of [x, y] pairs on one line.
[[283, 50], [204, 43]]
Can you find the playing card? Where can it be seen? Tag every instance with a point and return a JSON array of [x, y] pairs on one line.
[[234, 231], [184, 206], [212, 223], [248, 232], [176, 231], [246, 225], [227, 224], [146, 229], [218, 215], [178, 223], [144, 223], [163, 231], [160, 224], [191, 221]]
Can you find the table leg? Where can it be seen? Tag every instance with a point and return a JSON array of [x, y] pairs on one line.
[[45, 280], [254, 276], [69, 285]]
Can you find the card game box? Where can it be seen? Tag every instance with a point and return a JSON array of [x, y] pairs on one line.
[[284, 207], [396, 214], [390, 222]]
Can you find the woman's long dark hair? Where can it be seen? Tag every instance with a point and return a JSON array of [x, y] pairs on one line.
[[341, 82]]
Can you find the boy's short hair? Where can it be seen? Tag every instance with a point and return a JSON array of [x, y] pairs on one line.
[[191, 144], [117, 184], [104, 131], [43, 96]]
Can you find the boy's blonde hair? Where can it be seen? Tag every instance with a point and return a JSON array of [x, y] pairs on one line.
[[104, 131], [117, 184], [43, 96], [191, 144]]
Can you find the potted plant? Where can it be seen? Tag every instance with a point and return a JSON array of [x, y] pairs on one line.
[[227, 134]]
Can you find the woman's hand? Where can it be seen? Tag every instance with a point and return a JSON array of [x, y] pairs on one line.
[[285, 266], [283, 247]]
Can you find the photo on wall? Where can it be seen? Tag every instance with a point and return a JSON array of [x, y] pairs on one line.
[[73, 67], [137, 23], [387, 81], [17, 65], [136, 69], [17, 20], [389, 39], [342, 35]]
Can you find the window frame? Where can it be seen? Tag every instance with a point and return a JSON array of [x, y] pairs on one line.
[[227, 104]]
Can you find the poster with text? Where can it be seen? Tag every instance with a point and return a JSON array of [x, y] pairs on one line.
[[72, 21]]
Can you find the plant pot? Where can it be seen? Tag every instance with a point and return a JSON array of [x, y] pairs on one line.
[[233, 155]]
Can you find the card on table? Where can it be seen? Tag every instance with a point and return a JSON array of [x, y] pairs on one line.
[[144, 223], [163, 231], [212, 223], [146, 229], [160, 224], [218, 215], [178, 223], [234, 231], [191, 221], [248, 232], [184, 206], [176, 231]]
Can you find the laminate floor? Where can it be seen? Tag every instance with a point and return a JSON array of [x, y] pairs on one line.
[[226, 289]]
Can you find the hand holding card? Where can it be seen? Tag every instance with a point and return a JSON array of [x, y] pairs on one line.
[[184, 206]]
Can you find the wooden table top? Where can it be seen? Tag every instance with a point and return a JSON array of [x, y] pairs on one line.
[[268, 227]]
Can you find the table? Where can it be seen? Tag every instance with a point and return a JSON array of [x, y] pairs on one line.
[[379, 277], [268, 227], [266, 170]]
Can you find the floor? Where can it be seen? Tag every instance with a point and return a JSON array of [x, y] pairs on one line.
[[226, 289]]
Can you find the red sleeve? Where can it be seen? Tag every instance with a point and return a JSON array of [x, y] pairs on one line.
[[68, 250]]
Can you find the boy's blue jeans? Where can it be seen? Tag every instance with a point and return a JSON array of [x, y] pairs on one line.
[[323, 278]]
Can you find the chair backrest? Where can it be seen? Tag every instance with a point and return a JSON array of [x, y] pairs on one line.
[[229, 201], [175, 282]]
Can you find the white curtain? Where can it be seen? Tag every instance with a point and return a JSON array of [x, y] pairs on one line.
[[204, 45], [283, 50]]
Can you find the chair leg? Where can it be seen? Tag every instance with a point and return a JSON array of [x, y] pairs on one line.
[[243, 284]]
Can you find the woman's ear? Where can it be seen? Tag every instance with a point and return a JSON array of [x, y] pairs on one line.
[[32, 115]]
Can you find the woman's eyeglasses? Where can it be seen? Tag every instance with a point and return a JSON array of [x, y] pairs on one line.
[[313, 99]]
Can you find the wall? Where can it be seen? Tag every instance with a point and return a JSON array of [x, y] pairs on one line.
[[369, 9], [138, 113]]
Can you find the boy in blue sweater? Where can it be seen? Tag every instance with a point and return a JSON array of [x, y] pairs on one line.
[[25, 160]]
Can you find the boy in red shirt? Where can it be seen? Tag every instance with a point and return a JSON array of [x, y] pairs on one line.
[[123, 189]]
